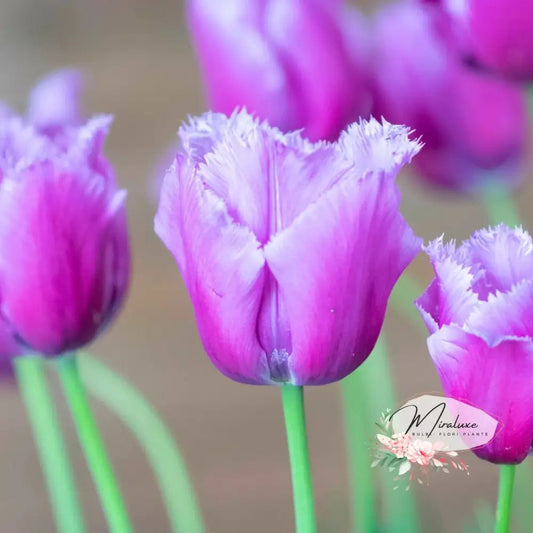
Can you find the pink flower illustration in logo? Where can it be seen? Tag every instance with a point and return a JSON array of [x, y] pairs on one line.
[[421, 452], [399, 452]]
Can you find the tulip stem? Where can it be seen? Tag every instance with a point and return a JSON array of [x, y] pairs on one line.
[[155, 438], [363, 402], [404, 293], [50, 445], [93, 446], [499, 204], [505, 497], [302, 485], [356, 429]]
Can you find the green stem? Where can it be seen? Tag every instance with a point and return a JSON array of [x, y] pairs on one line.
[[356, 428], [404, 293], [505, 497], [155, 438], [364, 401], [302, 485], [93, 447], [499, 204], [50, 445]]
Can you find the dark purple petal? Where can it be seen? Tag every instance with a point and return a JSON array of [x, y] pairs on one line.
[[239, 64], [492, 35], [311, 44], [64, 255], [495, 379], [474, 126], [291, 63]]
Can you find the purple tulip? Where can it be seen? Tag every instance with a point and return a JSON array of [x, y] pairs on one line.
[[289, 250], [473, 126], [478, 310], [492, 34], [64, 257], [298, 64]]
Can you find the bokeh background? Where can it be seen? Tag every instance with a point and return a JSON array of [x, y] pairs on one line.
[[139, 65]]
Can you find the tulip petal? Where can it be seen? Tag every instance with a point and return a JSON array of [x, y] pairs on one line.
[[504, 254], [57, 249], [264, 181], [511, 312], [449, 299], [494, 379], [350, 247], [327, 101], [238, 62], [474, 125], [222, 265], [54, 103], [377, 146], [20, 145]]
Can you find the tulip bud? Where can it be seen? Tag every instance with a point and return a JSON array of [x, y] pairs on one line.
[[64, 256], [478, 312], [289, 249], [473, 126], [297, 64]]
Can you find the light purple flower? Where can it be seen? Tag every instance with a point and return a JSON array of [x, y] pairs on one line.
[[64, 257], [479, 311], [473, 126], [289, 250], [54, 103], [493, 34], [299, 65]]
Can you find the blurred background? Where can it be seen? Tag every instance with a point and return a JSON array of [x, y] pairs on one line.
[[139, 66]]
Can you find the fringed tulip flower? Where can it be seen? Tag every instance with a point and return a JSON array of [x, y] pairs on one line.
[[64, 257], [289, 250], [493, 34], [64, 254], [478, 311], [298, 64], [473, 126]]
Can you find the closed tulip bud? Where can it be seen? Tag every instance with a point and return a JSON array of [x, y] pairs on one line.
[[478, 311], [289, 250], [298, 64], [64, 256], [473, 125]]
